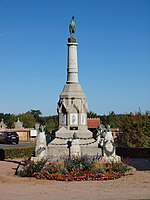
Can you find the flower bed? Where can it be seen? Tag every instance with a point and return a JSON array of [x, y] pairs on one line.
[[76, 169]]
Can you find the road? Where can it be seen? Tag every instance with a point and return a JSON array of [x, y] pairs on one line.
[[21, 144]]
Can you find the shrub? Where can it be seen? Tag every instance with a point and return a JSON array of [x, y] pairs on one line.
[[31, 168], [119, 167], [98, 167]]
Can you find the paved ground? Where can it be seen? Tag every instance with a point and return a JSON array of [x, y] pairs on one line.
[[133, 187]]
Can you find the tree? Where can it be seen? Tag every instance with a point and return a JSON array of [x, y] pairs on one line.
[[2, 116], [113, 120], [91, 115], [51, 123], [28, 120], [36, 114], [104, 119], [9, 119], [134, 131]]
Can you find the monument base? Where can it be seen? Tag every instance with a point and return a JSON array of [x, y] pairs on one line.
[[77, 143], [59, 152]]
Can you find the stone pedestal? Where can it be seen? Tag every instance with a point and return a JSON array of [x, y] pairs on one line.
[[85, 144]]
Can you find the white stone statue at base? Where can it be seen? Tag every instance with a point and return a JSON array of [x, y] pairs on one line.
[[75, 147], [41, 147], [108, 146]]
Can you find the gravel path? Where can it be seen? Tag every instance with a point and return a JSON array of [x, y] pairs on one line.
[[133, 187]]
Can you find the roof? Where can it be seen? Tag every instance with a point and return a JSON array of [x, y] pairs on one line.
[[93, 122]]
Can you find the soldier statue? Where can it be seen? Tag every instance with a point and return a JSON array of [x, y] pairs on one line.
[[72, 26]]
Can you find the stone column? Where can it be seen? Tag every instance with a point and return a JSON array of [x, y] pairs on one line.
[[72, 68]]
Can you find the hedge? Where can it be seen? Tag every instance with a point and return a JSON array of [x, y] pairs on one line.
[[18, 152], [26, 152], [133, 152]]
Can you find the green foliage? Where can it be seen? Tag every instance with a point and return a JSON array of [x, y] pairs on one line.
[[18, 152], [36, 114], [85, 163], [134, 128], [51, 123], [31, 168], [98, 167], [118, 167], [91, 115], [28, 120], [134, 131], [127, 152], [113, 120], [109, 167], [9, 119], [71, 169]]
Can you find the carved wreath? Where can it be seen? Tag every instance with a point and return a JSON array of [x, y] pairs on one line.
[[108, 153]]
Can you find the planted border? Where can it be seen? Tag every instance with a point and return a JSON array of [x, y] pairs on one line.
[[75, 169]]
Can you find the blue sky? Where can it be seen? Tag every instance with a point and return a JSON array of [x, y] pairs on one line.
[[113, 54]]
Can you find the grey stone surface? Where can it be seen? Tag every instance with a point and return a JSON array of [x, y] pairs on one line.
[[41, 147], [106, 141], [72, 106], [56, 150], [72, 110], [18, 124], [75, 148]]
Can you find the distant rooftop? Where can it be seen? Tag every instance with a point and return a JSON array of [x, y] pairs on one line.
[[93, 122]]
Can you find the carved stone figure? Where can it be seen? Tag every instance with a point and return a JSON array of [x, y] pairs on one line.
[[41, 148], [75, 147], [109, 146]]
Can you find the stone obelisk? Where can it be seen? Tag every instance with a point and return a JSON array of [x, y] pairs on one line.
[[72, 105]]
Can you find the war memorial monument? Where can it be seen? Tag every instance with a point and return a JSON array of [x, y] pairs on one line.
[[73, 137]]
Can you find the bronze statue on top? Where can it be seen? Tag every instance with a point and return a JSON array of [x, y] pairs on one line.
[[72, 26]]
